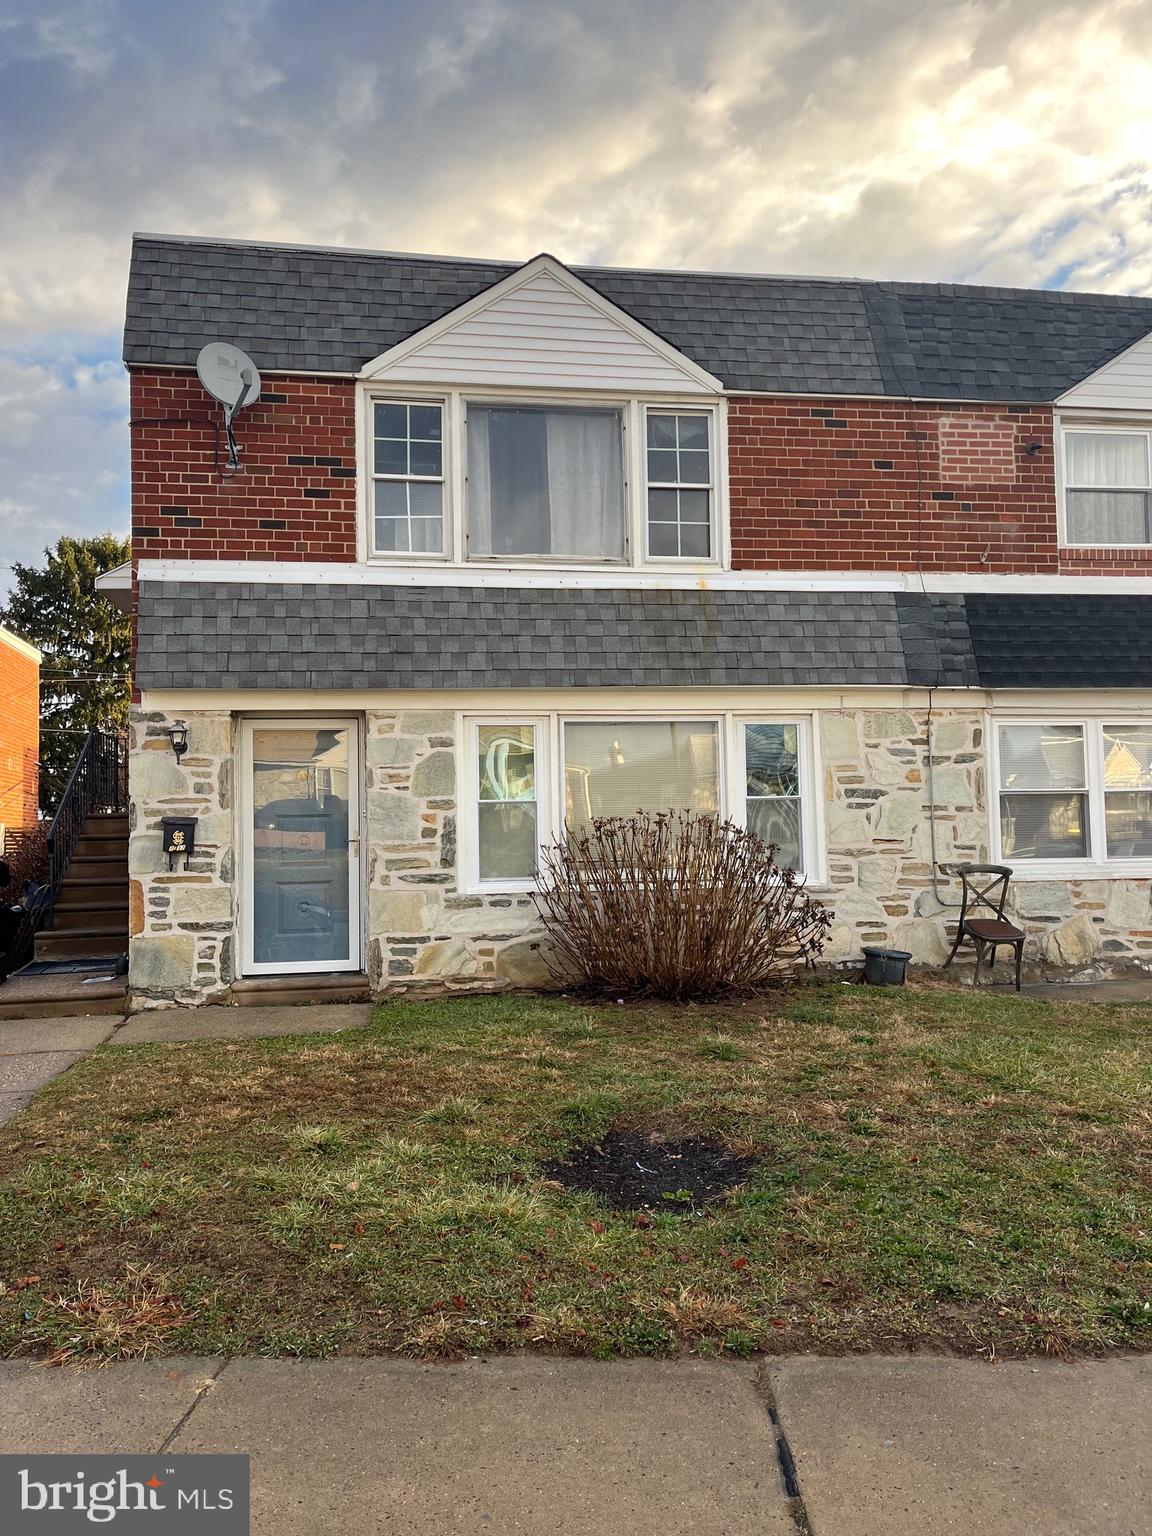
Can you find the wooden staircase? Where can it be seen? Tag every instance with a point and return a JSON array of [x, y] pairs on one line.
[[90, 915]]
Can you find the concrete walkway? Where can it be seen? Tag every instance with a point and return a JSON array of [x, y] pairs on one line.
[[864, 1447], [34, 1051]]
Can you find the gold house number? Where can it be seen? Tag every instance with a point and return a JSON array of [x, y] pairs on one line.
[[177, 841]]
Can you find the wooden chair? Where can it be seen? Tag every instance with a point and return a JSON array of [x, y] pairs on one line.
[[986, 885]]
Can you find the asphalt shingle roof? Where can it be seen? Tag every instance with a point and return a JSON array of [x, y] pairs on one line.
[[300, 309], [308, 636]]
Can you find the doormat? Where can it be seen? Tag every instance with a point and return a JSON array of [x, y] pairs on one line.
[[100, 970]]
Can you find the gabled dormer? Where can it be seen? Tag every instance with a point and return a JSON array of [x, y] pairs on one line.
[[540, 424]]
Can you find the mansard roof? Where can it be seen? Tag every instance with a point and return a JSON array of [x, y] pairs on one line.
[[309, 310]]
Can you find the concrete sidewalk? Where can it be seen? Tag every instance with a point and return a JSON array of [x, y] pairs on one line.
[[34, 1051], [880, 1447]]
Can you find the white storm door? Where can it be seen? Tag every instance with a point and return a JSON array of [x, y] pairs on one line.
[[300, 845]]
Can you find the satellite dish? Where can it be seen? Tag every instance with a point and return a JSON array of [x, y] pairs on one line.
[[230, 376]]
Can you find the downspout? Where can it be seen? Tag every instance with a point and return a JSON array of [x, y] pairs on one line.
[[952, 905]]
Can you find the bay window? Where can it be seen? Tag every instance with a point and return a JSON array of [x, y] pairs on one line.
[[579, 482], [1074, 792], [526, 779], [1107, 486]]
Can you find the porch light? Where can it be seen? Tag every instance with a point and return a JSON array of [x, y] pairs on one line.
[[178, 736]]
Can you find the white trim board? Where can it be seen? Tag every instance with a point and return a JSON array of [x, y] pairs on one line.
[[623, 578]]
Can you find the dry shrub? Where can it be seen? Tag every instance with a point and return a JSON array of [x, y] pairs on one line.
[[26, 854], [675, 905]]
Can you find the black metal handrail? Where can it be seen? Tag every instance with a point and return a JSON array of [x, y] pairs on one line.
[[98, 784]]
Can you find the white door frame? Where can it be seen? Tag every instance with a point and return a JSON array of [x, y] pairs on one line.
[[247, 884]]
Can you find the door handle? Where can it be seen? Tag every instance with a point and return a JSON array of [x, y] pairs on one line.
[[354, 845]]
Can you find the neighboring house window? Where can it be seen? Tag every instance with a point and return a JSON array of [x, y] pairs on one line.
[[757, 773], [539, 483], [1107, 487], [1075, 790], [545, 481], [407, 478], [679, 485]]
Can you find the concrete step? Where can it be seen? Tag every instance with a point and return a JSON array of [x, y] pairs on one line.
[[82, 943], [78, 913], [287, 991], [60, 997]]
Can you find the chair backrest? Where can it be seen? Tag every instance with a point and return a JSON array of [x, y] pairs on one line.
[[984, 885]]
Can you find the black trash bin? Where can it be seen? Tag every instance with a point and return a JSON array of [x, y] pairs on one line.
[[885, 967]]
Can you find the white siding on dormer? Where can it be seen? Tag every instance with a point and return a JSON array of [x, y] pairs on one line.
[[1124, 384], [543, 335]]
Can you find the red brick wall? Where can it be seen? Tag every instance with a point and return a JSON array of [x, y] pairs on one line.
[[295, 498], [19, 736], [883, 485], [816, 484]]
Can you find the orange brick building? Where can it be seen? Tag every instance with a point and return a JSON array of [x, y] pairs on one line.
[[19, 731]]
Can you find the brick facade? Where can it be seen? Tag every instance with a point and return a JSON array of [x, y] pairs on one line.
[[19, 735], [295, 498], [888, 485], [816, 484]]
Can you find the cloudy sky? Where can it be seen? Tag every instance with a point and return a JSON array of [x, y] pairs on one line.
[[1005, 141]]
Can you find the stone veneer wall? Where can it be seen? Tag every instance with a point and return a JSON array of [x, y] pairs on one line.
[[182, 923], [422, 930]]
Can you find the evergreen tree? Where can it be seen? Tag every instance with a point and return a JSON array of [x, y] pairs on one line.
[[84, 679]]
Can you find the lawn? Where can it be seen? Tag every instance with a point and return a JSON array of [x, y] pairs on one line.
[[933, 1169]]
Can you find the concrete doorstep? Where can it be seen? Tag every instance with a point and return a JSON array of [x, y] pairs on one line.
[[879, 1447]]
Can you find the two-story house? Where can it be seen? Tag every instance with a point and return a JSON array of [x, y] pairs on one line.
[[867, 566]]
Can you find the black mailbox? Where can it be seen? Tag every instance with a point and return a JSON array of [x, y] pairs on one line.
[[179, 838]]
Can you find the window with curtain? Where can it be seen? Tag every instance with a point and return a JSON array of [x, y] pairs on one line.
[[1043, 792], [1108, 487], [679, 485], [619, 767], [545, 481], [772, 789], [407, 478]]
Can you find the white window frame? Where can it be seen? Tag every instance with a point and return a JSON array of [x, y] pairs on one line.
[[549, 726], [1137, 427], [366, 471], [812, 841], [650, 408], [455, 402], [1097, 865], [468, 817]]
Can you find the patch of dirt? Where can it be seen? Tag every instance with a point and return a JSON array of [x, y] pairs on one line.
[[634, 1172]]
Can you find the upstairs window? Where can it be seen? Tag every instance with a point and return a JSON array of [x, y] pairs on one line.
[[679, 485], [545, 482], [1108, 487], [407, 478], [578, 480]]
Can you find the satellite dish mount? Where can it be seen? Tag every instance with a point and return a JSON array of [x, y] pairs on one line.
[[230, 376]]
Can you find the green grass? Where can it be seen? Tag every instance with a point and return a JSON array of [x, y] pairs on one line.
[[935, 1168]]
